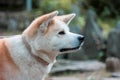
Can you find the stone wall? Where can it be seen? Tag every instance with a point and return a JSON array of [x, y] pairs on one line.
[[15, 20]]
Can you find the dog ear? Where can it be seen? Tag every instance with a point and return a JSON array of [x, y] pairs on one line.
[[41, 23], [67, 18], [47, 19]]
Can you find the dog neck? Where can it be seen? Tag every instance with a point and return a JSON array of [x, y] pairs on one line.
[[39, 59]]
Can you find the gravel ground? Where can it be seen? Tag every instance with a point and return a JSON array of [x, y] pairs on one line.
[[96, 75]]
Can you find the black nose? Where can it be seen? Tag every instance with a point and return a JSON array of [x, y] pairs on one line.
[[81, 38]]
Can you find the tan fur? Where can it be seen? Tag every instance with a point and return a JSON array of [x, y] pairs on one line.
[[36, 24], [6, 60]]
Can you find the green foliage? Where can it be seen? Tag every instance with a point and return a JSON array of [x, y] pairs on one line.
[[64, 6], [104, 8]]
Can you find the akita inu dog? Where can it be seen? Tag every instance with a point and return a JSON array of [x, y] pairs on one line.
[[31, 55]]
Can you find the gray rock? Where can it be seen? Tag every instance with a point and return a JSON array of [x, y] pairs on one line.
[[3, 23], [111, 79], [63, 65], [116, 74], [15, 20], [12, 24], [113, 64], [79, 55], [94, 40], [75, 29], [113, 43], [117, 25], [64, 78]]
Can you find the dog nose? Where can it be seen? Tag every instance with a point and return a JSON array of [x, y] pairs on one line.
[[81, 38]]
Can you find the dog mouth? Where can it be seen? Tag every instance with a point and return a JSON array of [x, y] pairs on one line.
[[69, 49]]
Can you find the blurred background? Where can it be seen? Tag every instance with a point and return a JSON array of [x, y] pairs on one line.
[[97, 20]]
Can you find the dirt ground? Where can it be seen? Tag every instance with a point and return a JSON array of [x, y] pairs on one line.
[[95, 75]]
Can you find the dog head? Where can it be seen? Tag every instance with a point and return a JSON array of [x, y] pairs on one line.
[[50, 33]]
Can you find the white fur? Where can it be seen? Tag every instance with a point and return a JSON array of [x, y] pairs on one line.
[[32, 70]]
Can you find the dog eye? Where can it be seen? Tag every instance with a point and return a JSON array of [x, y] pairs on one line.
[[61, 32]]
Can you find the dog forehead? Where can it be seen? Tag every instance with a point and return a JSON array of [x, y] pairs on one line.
[[60, 24]]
